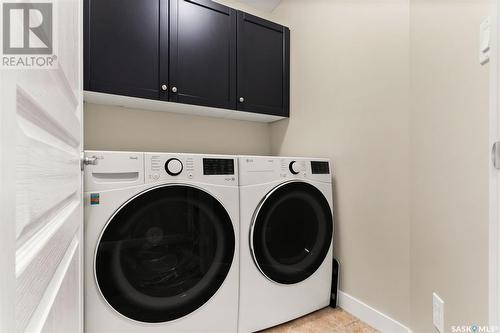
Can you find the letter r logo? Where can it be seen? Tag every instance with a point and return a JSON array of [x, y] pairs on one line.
[[27, 28]]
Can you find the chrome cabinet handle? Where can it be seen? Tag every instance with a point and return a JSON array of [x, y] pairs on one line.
[[174, 89], [164, 87], [242, 99]]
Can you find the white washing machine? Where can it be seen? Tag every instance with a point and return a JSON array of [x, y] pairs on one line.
[[161, 242], [286, 225]]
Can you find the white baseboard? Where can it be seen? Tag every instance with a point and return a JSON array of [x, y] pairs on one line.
[[369, 315]]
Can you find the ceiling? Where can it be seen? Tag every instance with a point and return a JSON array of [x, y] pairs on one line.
[[264, 5]]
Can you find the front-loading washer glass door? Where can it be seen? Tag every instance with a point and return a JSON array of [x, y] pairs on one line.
[[291, 232], [164, 253]]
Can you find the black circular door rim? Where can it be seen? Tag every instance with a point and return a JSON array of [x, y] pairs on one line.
[[252, 228], [104, 229]]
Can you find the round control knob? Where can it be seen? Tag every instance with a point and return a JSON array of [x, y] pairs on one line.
[[173, 167], [293, 168]]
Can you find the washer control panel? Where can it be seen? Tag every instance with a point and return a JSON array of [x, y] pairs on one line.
[[213, 169]]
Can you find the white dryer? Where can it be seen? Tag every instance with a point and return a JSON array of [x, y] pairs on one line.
[[286, 225], [161, 242]]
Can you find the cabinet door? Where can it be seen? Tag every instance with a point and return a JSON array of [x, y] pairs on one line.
[[263, 66], [122, 46], [202, 53]]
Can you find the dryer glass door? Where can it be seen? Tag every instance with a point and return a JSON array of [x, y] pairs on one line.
[[292, 232], [164, 253]]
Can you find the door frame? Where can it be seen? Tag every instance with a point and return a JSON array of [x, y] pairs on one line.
[[7, 203], [494, 174]]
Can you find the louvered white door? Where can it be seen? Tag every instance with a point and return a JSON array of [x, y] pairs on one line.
[[41, 184]]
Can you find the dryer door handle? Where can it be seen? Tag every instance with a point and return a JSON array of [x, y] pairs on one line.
[[495, 155]]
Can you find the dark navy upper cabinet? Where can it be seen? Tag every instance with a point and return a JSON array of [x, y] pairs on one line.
[[121, 46], [194, 52], [263, 66], [202, 53]]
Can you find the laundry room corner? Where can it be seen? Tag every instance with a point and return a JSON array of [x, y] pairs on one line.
[[349, 83]]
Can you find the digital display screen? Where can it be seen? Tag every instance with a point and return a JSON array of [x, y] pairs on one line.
[[318, 167], [218, 166]]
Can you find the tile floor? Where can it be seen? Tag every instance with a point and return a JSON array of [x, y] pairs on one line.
[[327, 320]]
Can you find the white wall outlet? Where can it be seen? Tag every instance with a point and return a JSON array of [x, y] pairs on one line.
[[484, 40], [438, 312]]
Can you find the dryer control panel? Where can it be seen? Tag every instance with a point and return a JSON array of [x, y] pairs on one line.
[[211, 169], [262, 169]]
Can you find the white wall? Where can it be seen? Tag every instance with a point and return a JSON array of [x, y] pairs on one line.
[[450, 161], [117, 128]]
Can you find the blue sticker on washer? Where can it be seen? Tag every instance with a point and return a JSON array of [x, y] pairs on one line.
[[94, 199]]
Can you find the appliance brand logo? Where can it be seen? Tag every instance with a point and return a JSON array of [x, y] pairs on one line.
[[28, 35]]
